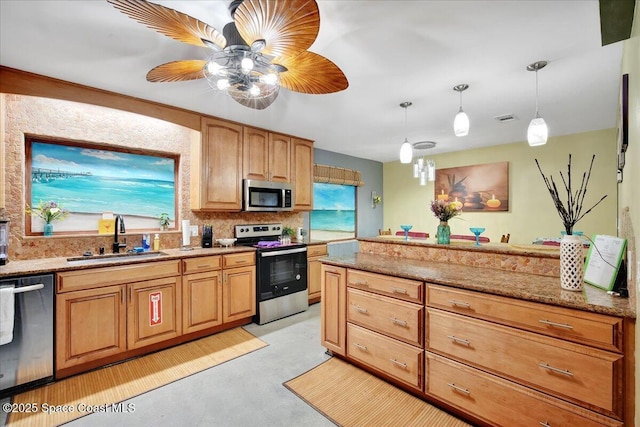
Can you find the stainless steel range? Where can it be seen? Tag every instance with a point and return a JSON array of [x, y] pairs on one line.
[[281, 272]]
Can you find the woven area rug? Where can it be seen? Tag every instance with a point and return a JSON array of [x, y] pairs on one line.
[[351, 397], [119, 382]]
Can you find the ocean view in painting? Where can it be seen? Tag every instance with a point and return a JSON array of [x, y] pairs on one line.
[[334, 211], [87, 180]]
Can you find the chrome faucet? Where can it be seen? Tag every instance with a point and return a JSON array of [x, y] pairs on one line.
[[116, 244]]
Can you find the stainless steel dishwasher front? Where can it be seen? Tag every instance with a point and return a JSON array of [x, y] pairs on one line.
[[26, 357]]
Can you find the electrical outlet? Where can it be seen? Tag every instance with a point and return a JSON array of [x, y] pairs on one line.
[[194, 230]]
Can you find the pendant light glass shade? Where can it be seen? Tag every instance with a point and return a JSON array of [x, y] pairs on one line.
[[461, 122], [406, 153], [538, 132]]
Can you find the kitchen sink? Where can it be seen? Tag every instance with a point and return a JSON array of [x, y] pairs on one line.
[[124, 257]]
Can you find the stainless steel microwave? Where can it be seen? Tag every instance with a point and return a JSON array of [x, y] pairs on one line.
[[261, 196]]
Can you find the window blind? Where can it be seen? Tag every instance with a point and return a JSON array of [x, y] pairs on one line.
[[334, 175]]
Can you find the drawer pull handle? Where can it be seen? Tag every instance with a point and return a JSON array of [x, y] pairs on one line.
[[360, 309], [402, 365], [202, 266], [359, 283], [399, 322], [545, 424], [458, 388], [559, 325], [459, 340], [398, 290], [360, 346], [554, 369], [456, 303]]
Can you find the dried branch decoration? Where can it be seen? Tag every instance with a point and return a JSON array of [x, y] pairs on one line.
[[572, 213]]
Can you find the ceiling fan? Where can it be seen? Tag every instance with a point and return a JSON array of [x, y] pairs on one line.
[[265, 47]]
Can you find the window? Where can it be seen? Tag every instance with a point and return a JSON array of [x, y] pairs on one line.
[[334, 214], [90, 179]]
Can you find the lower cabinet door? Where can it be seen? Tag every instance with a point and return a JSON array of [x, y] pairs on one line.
[[90, 325], [501, 402], [154, 311], [201, 301], [401, 361], [239, 293]]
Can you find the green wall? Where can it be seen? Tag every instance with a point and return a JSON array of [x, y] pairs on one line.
[[532, 213]]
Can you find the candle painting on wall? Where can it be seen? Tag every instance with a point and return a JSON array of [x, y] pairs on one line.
[[478, 188]]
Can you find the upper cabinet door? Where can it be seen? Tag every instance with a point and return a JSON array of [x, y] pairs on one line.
[[216, 175], [302, 174], [256, 154], [279, 158]]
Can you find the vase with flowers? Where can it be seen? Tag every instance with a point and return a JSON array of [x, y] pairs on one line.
[[49, 211], [571, 246], [444, 211]]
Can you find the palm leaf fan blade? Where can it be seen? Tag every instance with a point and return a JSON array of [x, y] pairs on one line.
[[177, 71], [170, 22], [287, 26], [311, 73]]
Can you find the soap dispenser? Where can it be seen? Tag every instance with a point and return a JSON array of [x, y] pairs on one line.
[[156, 242]]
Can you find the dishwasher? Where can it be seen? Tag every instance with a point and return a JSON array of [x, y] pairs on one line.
[[26, 332]]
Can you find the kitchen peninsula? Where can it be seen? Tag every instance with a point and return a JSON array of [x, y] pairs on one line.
[[482, 331]]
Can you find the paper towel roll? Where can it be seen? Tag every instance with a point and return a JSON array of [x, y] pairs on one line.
[[186, 232]]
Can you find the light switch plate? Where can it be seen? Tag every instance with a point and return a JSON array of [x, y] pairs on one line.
[[194, 230]]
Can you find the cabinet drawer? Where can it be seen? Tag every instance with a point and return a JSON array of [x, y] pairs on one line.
[[396, 359], [398, 319], [493, 399], [579, 326], [205, 263], [238, 260], [99, 277], [405, 289], [571, 371], [316, 250]]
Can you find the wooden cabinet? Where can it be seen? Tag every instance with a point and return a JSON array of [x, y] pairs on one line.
[[539, 355], [266, 155], [201, 293], [101, 312], [90, 324], [154, 311], [239, 293], [216, 167], [333, 307], [302, 173], [314, 273]]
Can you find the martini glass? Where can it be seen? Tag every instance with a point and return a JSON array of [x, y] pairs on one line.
[[406, 229], [477, 231]]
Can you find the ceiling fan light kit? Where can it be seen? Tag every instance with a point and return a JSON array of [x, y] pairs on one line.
[[461, 121], [538, 132], [265, 48]]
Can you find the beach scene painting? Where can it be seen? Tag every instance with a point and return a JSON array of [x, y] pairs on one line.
[[90, 181], [334, 213]]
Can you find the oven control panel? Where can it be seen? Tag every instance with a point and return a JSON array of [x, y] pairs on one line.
[[258, 230]]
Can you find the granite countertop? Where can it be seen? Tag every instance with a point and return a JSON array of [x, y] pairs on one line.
[[50, 265], [531, 287], [539, 251]]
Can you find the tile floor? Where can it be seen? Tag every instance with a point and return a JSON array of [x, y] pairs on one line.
[[246, 391]]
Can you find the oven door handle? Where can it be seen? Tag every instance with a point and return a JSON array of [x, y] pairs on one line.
[[282, 252]]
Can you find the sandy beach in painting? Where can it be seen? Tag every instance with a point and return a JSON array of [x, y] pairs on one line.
[[81, 221], [327, 235]]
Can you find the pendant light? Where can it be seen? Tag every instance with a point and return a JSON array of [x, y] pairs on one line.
[[424, 169], [406, 153], [538, 132], [461, 122]]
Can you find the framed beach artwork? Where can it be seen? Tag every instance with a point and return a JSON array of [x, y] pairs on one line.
[[94, 182], [334, 212], [479, 188]]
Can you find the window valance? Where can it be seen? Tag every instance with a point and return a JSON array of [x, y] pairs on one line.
[[335, 175]]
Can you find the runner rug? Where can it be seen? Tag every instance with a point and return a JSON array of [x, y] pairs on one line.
[[351, 397], [117, 383]]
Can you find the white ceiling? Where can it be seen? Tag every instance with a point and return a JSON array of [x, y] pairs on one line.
[[390, 51]]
